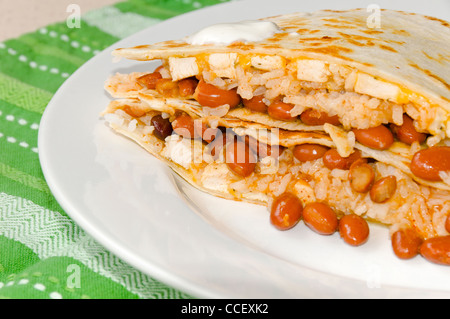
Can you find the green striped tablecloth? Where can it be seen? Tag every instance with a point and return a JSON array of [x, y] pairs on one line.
[[43, 253]]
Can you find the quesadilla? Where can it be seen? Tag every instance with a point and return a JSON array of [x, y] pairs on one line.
[[322, 107]]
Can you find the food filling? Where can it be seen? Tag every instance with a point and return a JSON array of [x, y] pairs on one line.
[[352, 107], [221, 160], [361, 114]]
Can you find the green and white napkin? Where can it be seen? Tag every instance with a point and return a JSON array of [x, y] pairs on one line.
[[43, 253]]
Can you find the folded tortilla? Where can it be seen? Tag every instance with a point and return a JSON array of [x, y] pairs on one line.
[[402, 63], [329, 61]]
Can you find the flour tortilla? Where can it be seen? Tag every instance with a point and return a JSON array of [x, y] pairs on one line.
[[409, 49]]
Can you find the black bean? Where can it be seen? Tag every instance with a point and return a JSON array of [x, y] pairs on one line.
[[162, 126]]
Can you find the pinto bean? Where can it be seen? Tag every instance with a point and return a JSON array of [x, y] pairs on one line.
[[134, 111], [361, 176], [256, 104], [332, 159], [286, 211], [186, 87], [309, 152], [167, 87], [149, 80], [217, 145], [211, 96], [383, 189], [406, 243], [406, 132], [280, 111], [379, 137], [320, 218], [183, 125], [429, 162], [239, 158], [354, 229], [315, 117], [436, 250]]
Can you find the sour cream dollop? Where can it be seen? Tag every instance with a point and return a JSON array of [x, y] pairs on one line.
[[226, 33]]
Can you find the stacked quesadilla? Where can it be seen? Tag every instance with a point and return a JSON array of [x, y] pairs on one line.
[[323, 108]]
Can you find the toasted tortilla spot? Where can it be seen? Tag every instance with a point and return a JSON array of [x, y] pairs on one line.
[[175, 44], [315, 44], [332, 49], [427, 55], [269, 46], [372, 31], [357, 43], [431, 74], [443, 59], [386, 47], [302, 30], [339, 26], [141, 46], [334, 11], [401, 32], [278, 36], [334, 20], [326, 38], [242, 46], [443, 22], [355, 36]]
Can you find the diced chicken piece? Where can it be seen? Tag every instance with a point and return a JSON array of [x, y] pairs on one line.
[[304, 191], [215, 177], [312, 70], [256, 196], [222, 64], [367, 84], [183, 151], [268, 165], [181, 68], [268, 62], [344, 141]]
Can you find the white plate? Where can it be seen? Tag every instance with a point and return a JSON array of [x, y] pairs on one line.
[[205, 246]]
